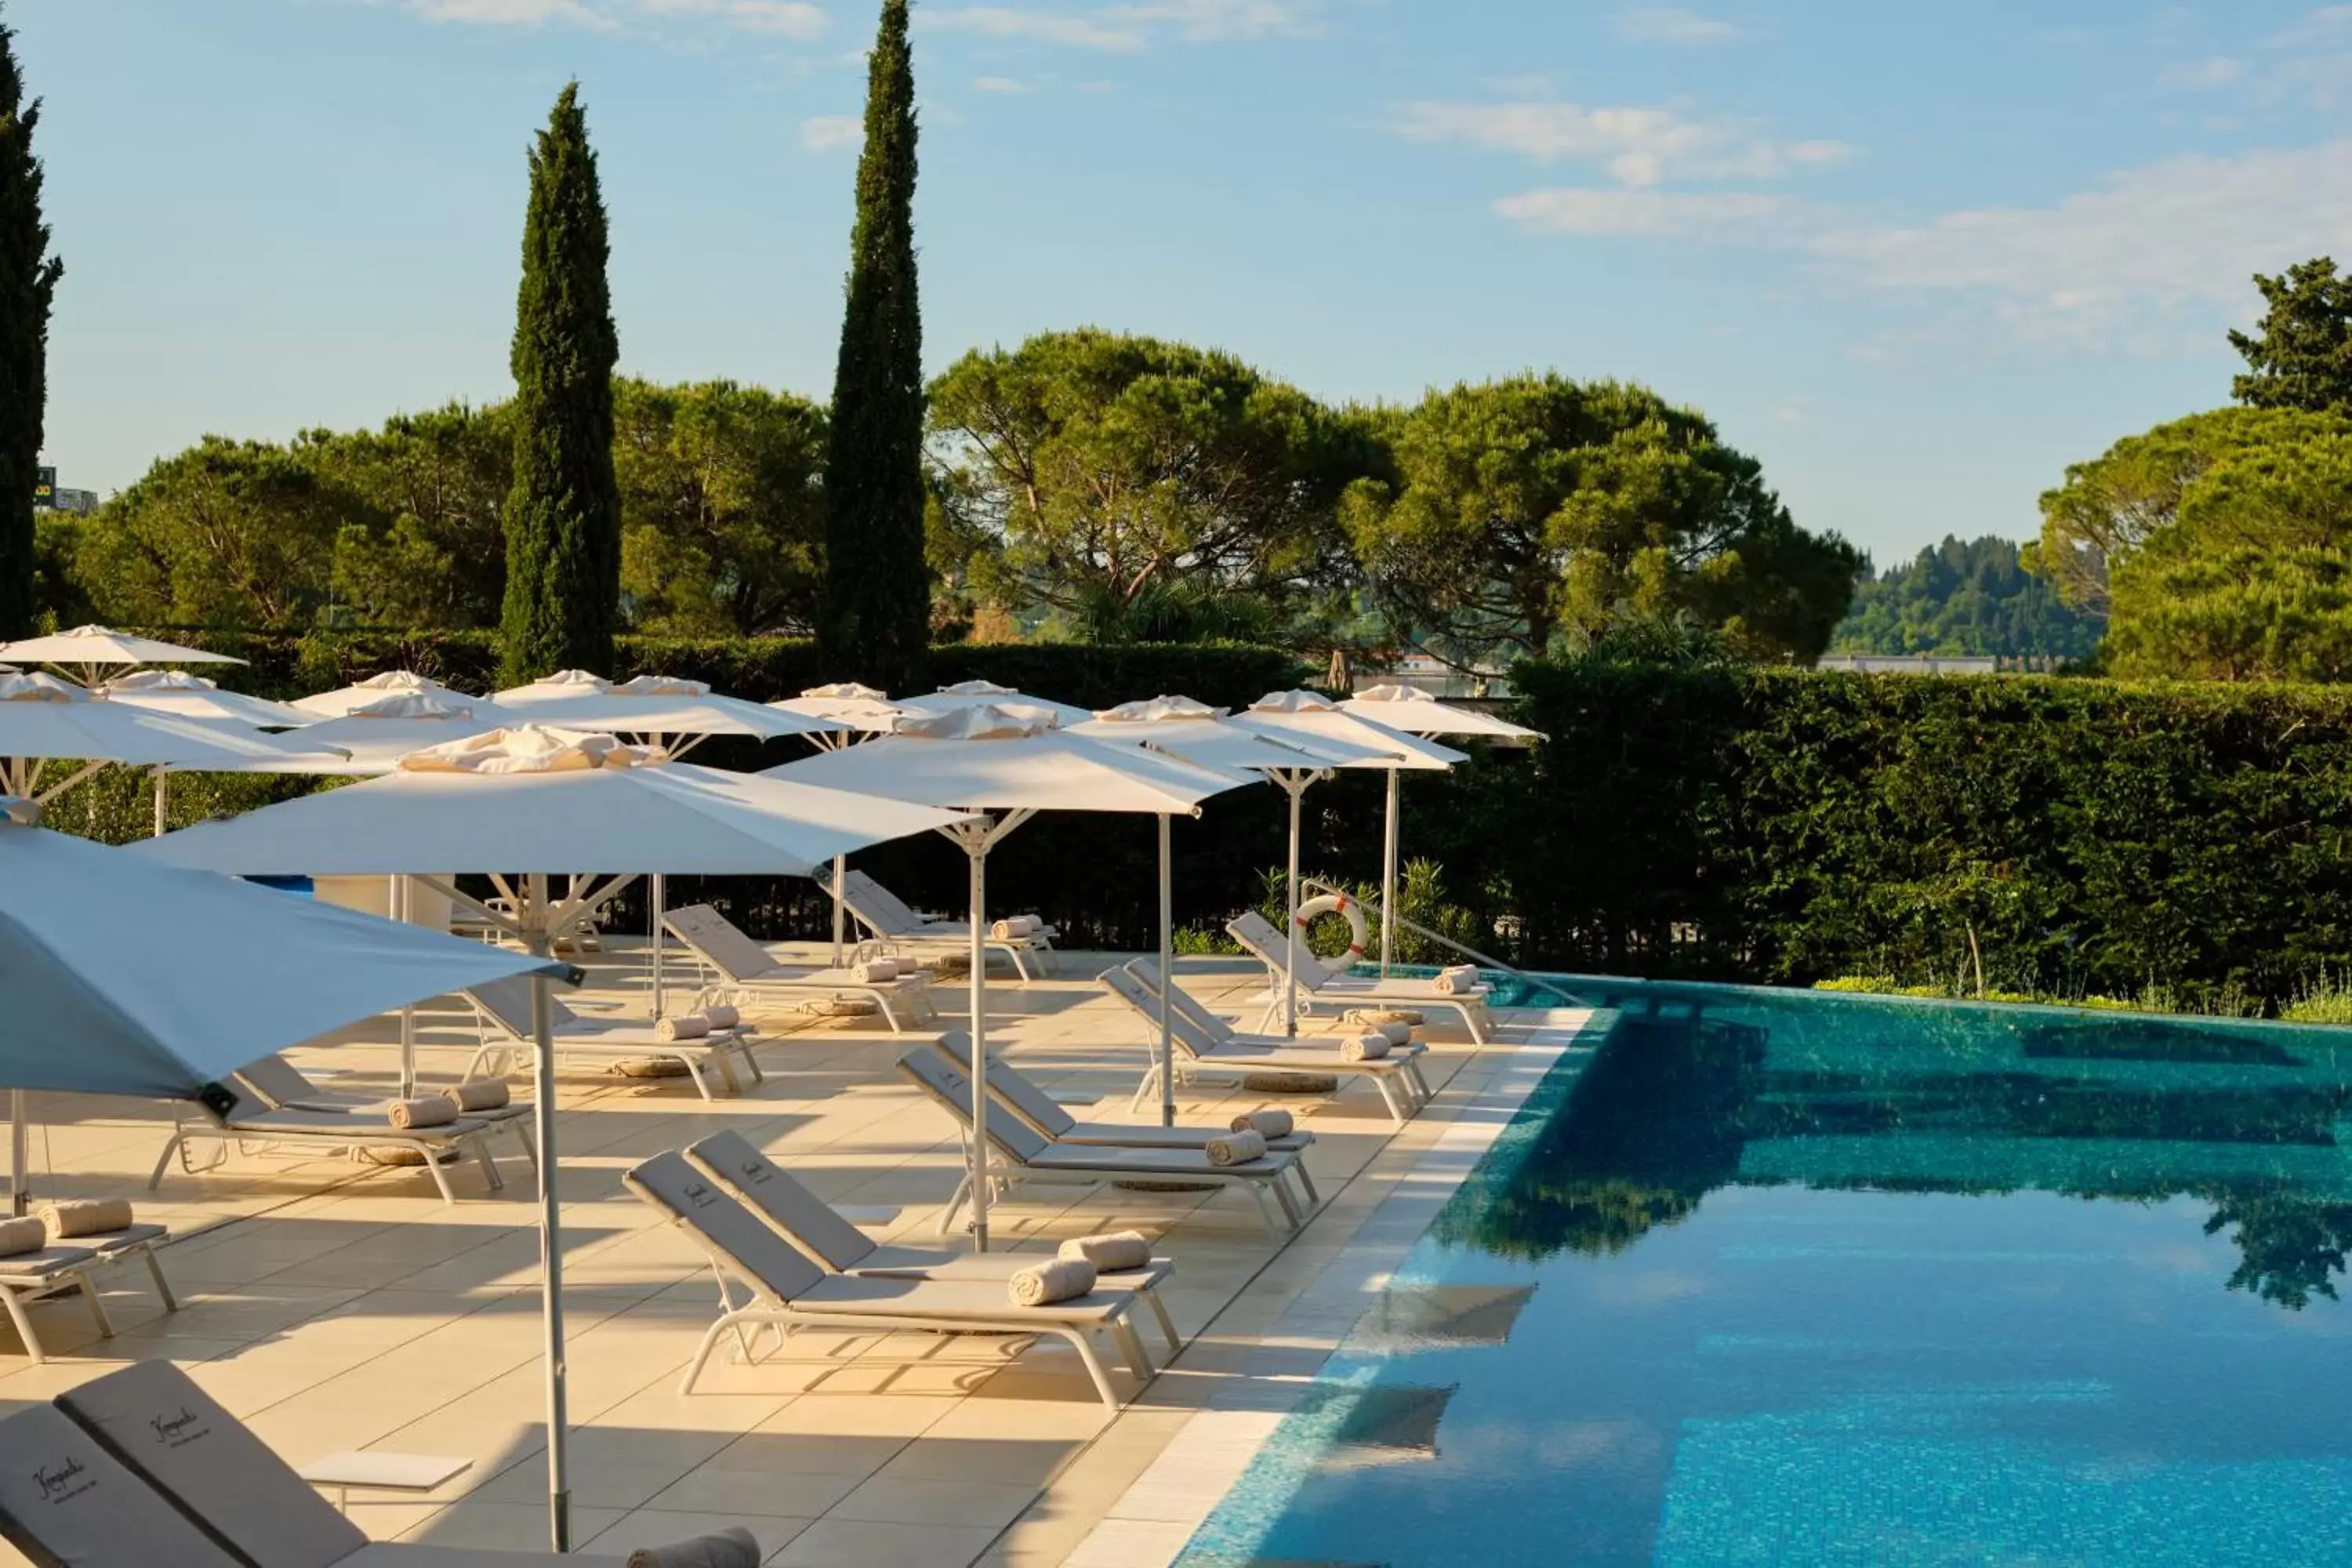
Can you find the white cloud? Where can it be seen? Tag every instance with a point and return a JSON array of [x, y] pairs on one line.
[[1638, 146], [794, 18], [1001, 84], [511, 13], [2328, 25], [1125, 28], [829, 131], [1722, 216], [1673, 24], [2207, 75]]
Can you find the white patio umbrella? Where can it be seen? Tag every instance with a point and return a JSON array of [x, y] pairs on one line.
[[373, 738], [662, 710], [86, 651], [1311, 717], [863, 712], [986, 760], [344, 699], [979, 693], [1197, 733], [1412, 711], [548, 798], [186, 696]]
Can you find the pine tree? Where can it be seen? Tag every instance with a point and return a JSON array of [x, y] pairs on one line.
[[28, 281], [877, 620], [563, 515]]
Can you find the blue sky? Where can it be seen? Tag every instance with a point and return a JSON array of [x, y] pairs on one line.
[[1917, 258]]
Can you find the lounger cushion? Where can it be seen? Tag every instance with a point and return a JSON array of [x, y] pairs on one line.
[[947, 1300], [47, 1263], [1147, 1136], [937, 1263], [64, 1498], [129, 1235], [325, 1124], [1123, 1160], [424, 1554], [808, 1219], [155, 1418]]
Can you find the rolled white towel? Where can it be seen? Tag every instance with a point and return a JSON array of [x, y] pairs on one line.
[[682, 1026], [722, 1017], [731, 1548], [1111, 1251], [1014, 926], [478, 1094], [1363, 1047], [425, 1110], [1237, 1148], [1269, 1123], [1374, 1023], [1058, 1279], [84, 1216], [1458, 981], [22, 1234], [875, 971]]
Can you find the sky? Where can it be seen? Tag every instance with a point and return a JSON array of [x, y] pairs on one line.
[[1915, 257]]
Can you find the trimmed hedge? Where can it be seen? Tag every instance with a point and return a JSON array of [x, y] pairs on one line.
[[2087, 837]]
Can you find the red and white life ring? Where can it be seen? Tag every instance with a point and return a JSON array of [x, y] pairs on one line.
[[1336, 904]]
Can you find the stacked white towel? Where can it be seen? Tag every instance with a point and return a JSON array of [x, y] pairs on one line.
[[1237, 1148], [1111, 1251], [682, 1026], [1459, 981], [1396, 1034], [1268, 1123], [1363, 1047], [1059, 1279]]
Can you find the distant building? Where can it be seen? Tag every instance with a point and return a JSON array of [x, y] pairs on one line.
[[83, 502], [1915, 664]]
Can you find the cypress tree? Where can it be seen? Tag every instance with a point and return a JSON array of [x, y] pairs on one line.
[[563, 514], [28, 281], [877, 622]]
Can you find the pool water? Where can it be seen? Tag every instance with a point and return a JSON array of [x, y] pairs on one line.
[[1781, 1277]]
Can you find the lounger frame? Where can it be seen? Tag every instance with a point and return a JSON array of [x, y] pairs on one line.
[[717, 946], [1321, 986]]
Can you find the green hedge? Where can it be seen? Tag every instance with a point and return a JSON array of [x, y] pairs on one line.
[[1787, 827]]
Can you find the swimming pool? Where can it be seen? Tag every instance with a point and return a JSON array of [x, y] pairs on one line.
[[1780, 1277]]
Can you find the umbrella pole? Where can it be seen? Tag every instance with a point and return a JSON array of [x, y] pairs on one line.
[[659, 890], [840, 923], [975, 842], [163, 801], [1389, 878], [20, 1186], [1167, 978], [1297, 789], [397, 901], [550, 1236]]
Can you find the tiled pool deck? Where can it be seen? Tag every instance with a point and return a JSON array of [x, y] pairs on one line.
[[333, 1306]]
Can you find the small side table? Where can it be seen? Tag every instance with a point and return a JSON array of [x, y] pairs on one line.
[[373, 1471]]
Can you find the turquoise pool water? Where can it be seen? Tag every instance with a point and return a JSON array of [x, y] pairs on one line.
[[1788, 1278]]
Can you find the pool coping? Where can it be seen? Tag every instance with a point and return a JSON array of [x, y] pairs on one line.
[[1159, 1513]]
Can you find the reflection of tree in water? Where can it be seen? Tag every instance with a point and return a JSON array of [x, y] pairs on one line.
[[2288, 1248], [1663, 1112]]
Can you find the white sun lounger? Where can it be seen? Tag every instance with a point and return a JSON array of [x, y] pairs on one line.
[[1206, 1046], [1033, 1157], [505, 1004], [1010, 1086], [243, 1120], [884, 913], [789, 1292], [287, 1087], [173, 1441], [809, 1223], [64, 1500], [1321, 985], [742, 963]]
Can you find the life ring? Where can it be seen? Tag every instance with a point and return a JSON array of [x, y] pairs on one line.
[[1336, 904]]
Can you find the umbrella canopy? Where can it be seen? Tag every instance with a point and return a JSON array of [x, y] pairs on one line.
[[649, 705], [987, 693], [1206, 736], [43, 718], [1411, 710], [160, 981], [849, 705], [539, 799], [375, 736], [1309, 716], [346, 700], [88, 649], [186, 696]]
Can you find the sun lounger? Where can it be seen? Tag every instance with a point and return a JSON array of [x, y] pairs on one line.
[[788, 1290], [1023, 1095], [1205, 1045], [1324, 986], [33, 1277], [505, 1006], [156, 1431], [245, 1120], [884, 913], [64, 1500], [809, 1223], [287, 1087], [1034, 1157], [744, 965]]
